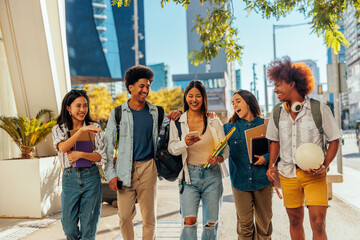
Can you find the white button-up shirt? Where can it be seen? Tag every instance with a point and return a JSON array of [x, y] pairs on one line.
[[293, 133], [59, 134]]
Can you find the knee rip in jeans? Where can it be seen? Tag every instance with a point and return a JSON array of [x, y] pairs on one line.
[[190, 220], [211, 224]]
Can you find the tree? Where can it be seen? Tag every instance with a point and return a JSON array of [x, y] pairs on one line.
[[216, 31], [169, 99], [101, 102], [120, 99]]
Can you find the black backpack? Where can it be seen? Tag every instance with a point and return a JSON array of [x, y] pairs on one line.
[[168, 166]]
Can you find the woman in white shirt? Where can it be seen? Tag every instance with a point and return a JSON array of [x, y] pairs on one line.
[[196, 182], [81, 186]]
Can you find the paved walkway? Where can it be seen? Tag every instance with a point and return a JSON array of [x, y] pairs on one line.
[[343, 218]]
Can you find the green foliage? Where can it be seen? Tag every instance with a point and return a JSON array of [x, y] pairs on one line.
[[120, 3], [101, 102], [27, 133], [120, 99], [324, 15], [169, 99], [217, 34]]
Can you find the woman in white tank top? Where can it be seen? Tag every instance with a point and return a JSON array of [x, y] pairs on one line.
[[198, 183]]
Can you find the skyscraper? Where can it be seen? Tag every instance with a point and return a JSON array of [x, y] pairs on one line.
[[101, 37], [218, 64], [352, 34], [124, 22], [218, 76], [161, 76]]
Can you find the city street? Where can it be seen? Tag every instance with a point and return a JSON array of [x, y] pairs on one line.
[[343, 216]]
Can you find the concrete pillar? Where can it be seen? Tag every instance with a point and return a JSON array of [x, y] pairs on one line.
[[35, 45], [8, 149]]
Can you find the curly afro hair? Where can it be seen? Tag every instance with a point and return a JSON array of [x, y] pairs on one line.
[[135, 73], [300, 73]]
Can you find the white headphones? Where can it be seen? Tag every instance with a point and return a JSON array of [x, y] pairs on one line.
[[295, 107]]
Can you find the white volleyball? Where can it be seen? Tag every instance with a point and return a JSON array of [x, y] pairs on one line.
[[309, 156]]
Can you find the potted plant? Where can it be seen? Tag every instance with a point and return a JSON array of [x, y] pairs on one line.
[[34, 178], [28, 133]]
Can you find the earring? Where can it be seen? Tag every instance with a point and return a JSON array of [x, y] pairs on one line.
[[70, 113]]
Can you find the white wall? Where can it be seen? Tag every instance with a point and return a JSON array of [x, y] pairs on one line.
[[8, 149], [36, 52]]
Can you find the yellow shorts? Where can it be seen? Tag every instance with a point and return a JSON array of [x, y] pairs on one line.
[[312, 188]]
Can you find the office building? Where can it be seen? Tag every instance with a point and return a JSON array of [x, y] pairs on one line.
[[352, 34], [344, 96], [100, 41], [238, 79], [161, 76], [218, 76]]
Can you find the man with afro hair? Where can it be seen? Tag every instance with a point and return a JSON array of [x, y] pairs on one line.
[[135, 166], [296, 125]]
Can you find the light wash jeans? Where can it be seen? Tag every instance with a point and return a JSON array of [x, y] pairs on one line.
[[81, 200], [206, 185]]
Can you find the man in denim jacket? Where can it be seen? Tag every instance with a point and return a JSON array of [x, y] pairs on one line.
[[135, 165]]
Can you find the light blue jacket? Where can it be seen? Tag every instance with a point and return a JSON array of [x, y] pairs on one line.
[[125, 152]]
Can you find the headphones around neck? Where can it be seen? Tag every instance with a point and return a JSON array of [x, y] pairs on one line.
[[295, 107]]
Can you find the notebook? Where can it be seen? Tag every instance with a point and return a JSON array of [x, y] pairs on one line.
[[85, 143], [255, 132], [259, 146], [83, 146]]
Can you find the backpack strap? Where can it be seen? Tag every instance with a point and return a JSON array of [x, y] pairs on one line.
[[118, 113], [182, 183], [161, 113], [178, 126], [316, 113], [276, 114]]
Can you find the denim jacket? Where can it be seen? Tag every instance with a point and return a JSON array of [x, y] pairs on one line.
[[245, 176], [125, 151]]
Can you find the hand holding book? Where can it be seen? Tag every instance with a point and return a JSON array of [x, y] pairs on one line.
[[73, 156], [84, 144], [220, 147]]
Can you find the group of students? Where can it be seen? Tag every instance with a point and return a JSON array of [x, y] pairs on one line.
[[137, 134]]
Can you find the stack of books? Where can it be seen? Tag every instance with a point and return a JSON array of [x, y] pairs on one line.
[[256, 142]]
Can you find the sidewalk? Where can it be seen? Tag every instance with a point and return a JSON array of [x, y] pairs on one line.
[[343, 216]]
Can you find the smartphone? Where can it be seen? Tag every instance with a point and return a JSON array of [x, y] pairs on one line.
[[119, 184], [194, 134]]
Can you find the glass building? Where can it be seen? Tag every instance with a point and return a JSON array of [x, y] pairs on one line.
[[100, 39], [161, 76]]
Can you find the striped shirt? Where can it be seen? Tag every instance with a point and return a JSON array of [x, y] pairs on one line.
[[59, 134]]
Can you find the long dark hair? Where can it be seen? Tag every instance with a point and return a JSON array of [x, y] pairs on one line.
[[204, 107], [64, 117], [250, 100]]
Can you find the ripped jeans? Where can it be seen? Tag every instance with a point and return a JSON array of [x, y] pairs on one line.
[[206, 185]]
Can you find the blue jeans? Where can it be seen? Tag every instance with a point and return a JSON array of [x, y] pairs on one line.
[[206, 184], [81, 200]]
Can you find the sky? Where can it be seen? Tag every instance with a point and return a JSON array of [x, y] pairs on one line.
[[165, 33]]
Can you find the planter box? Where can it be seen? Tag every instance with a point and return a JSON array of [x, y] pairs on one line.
[[29, 187]]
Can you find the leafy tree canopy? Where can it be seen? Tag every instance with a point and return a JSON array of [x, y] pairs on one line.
[[216, 31], [170, 100], [101, 102]]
